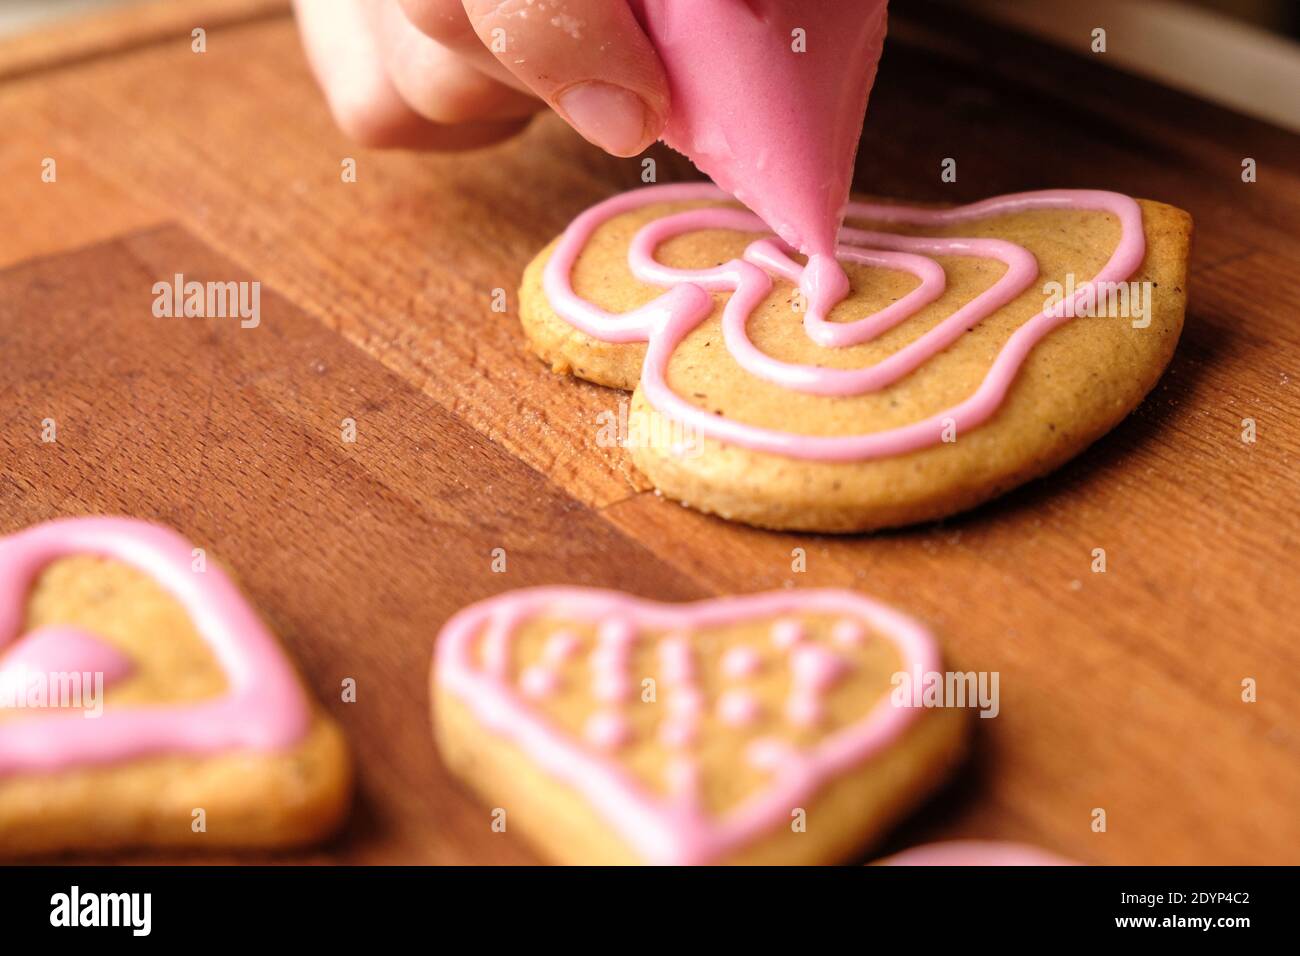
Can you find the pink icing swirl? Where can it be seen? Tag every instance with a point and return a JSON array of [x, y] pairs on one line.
[[665, 321]]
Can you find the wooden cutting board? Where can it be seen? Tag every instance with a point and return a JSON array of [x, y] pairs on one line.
[[1120, 690]]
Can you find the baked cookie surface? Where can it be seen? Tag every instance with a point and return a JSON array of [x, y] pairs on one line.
[[939, 381], [607, 729], [143, 703]]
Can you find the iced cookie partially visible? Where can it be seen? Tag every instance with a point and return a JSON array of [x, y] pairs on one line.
[[758, 729], [144, 703]]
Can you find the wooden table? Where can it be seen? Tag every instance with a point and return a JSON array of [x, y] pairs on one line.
[[1120, 690]]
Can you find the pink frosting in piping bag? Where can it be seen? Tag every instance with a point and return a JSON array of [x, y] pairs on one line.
[[771, 114]]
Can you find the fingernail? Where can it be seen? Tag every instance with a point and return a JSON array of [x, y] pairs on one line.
[[609, 116]]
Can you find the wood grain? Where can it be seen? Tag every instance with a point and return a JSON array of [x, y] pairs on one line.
[[1119, 690]]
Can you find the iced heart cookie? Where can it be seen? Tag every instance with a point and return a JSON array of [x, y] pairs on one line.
[[759, 729], [975, 347], [974, 853], [144, 703]]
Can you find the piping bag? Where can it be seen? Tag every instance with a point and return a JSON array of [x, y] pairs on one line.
[[771, 114]]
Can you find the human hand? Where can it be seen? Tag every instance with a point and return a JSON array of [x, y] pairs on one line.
[[459, 74]]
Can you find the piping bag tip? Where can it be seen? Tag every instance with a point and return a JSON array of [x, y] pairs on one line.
[[768, 100]]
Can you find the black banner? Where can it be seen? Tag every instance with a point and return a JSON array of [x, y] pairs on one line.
[[330, 905]]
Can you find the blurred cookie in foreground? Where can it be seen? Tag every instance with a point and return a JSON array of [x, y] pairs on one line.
[[607, 729], [144, 703]]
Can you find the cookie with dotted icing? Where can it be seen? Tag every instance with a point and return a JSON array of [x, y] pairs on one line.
[[606, 729], [975, 348], [144, 703]]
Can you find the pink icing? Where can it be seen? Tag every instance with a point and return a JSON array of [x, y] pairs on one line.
[[539, 682], [786, 634], [678, 732], [975, 853], [676, 660], [496, 650], [684, 779], [803, 70], [264, 709], [560, 647], [608, 730], [612, 687], [609, 662], [617, 634], [770, 753], [740, 662], [805, 708], [675, 830], [738, 708], [62, 649], [665, 321], [848, 633], [815, 668], [686, 704]]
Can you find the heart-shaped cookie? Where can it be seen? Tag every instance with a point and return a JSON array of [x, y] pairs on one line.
[[976, 347], [146, 691], [762, 728]]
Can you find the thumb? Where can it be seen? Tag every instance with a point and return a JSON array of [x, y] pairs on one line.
[[588, 59]]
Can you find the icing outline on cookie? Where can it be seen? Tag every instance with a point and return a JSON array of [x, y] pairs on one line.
[[669, 829], [263, 709], [665, 321]]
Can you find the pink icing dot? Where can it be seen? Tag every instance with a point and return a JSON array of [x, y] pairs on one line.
[[815, 668], [738, 708], [678, 732], [847, 632], [767, 753], [609, 672], [804, 709], [616, 632], [611, 687], [560, 647], [686, 703], [538, 682], [786, 633], [740, 662], [605, 659], [607, 730], [676, 660]]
